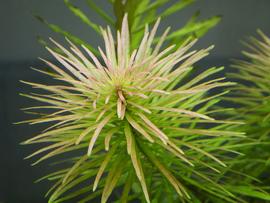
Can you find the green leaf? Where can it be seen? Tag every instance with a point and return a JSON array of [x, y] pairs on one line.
[[250, 191], [130, 7], [153, 6], [163, 170], [101, 12], [76, 11], [119, 12], [113, 177], [181, 4], [44, 43], [132, 149], [127, 188], [103, 166], [71, 37], [197, 29]]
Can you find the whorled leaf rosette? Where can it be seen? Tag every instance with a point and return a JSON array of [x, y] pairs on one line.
[[136, 121]]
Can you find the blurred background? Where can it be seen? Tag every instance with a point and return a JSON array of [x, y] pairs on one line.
[[19, 51]]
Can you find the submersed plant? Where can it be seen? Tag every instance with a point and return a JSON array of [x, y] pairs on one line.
[[135, 122], [253, 96]]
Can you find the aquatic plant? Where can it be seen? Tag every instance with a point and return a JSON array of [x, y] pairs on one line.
[[252, 97], [130, 118], [136, 119]]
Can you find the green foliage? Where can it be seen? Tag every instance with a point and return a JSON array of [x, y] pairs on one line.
[[59, 30], [252, 96], [136, 125], [140, 13], [77, 12]]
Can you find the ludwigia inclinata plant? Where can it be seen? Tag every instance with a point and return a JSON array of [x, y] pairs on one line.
[[133, 120]]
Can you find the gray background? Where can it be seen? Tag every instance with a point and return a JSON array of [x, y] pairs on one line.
[[19, 50], [18, 28]]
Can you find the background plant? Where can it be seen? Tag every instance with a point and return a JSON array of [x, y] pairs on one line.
[[252, 97], [141, 13]]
